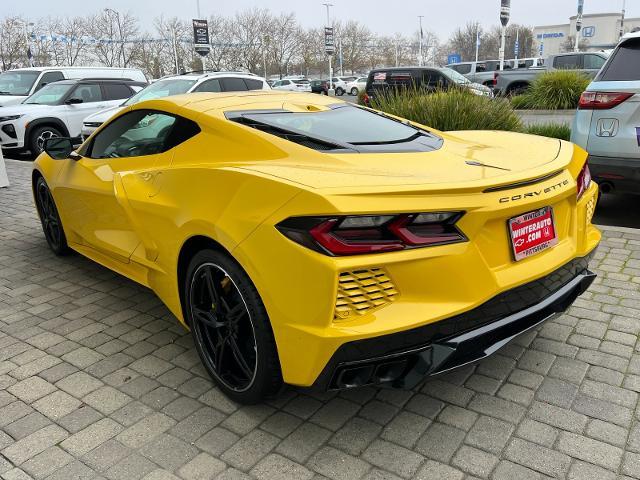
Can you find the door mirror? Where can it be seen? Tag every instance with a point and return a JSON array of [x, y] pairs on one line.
[[73, 101], [58, 148]]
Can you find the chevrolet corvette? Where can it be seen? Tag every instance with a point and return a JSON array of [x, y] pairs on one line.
[[307, 241]]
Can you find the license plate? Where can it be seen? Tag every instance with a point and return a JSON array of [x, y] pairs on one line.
[[532, 233]]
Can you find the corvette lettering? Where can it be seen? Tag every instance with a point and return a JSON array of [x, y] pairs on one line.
[[535, 193]]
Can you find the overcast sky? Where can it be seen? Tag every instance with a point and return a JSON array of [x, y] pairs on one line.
[[387, 17]]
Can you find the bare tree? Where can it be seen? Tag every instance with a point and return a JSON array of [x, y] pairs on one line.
[[115, 33], [13, 48]]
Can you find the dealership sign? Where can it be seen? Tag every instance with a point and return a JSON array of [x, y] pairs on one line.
[[453, 58], [589, 32], [329, 45], [201, 37], [542, 36]]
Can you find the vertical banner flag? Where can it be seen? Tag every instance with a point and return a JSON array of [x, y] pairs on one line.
[[201, 37]]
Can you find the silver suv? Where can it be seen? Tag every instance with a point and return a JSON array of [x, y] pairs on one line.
[[177, 85]]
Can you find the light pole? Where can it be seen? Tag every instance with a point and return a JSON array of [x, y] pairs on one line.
[[25, 27], [624, 12], [421, 35], [330, 91], [477, 41], [579, 24], [265, 42], [117, 14], [505, 12]]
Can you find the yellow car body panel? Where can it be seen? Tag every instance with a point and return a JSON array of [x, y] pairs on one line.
[[234, 184]]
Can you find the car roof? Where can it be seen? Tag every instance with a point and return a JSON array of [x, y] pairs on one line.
[[74, 81], [202, 75], [44, 69], [217, 103]]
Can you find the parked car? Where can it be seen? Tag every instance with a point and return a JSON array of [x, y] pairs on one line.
[[18, 84], [428, 79], [58, 109], [340, 84], [178, 84], [607, 124], [513, 82], [319, 86], [292, 85], [479, 72], [526, 62], [356, 86], [330, 247]]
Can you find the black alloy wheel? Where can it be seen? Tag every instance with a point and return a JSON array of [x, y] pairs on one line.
[[231, 329], [39, 136], [50, 219]]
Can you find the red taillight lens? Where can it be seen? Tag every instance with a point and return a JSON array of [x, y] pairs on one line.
[[356, 235], [583, 180], [495, 78], [602, 100]]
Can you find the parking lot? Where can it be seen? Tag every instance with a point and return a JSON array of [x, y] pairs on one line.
[[97, 380]]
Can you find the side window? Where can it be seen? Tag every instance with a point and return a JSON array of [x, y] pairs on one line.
[[567, 62], [253, 84], [209, 86], [140, 133], [593, 62], [433, 80], [462, 68], [88, 93], [49, 77], [116, 91], [481, 67], [233, 84]]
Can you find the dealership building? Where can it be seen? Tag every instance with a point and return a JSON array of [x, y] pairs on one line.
[[600, 31]]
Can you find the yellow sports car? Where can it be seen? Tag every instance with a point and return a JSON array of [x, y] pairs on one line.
[[308, 241]]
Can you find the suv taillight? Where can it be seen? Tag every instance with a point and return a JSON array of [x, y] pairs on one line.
[[602, 100], [583, 180], [495, 78], [363, 234]]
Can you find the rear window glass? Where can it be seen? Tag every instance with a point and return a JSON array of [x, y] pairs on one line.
[[351, 125], [393, 78], [624, 65]]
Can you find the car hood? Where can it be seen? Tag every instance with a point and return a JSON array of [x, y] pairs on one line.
[[103, 115], [24, 109], [466, 160], [6, 100]]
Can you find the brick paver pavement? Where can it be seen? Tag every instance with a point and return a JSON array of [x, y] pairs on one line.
[[97, 380]]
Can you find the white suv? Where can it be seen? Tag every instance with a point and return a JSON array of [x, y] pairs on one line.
[[57, 110], [17, 84], [177, 85]]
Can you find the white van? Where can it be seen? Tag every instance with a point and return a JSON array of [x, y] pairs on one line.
[[18, 84]]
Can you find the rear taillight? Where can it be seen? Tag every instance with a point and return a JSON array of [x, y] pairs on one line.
[[365, 99], [602, 100], [495, 78], [357, 235], [583, 180]]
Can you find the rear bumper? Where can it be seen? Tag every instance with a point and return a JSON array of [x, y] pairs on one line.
[[404, 359], [620, 175]]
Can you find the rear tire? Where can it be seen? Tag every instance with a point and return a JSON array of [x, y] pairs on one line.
[[354, 91], [231, 328], [39, 135], [339, 91]]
